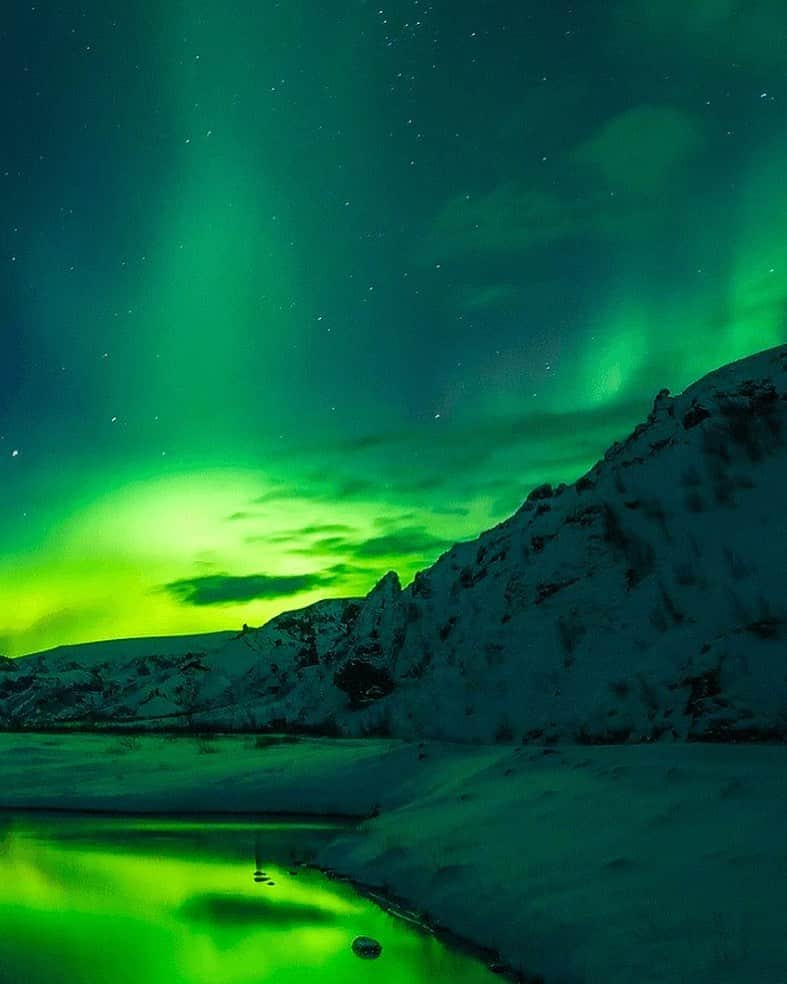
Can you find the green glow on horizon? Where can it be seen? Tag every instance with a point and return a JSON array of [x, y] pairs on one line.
[[140, 532]]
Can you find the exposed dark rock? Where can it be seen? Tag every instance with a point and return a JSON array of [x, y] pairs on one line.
[[546, 590], [704, 687], [544, 491], [422, 587], [366, 948], [363, 682], [695, 415]]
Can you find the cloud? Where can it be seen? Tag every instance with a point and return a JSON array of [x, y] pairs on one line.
[[443, 470], [601, 189], [403, 542], [430, 465], [482, 439], [517, 217], [349, 487], [328, 544], [285, 537], [449, 473], [321, 528], [275, 495], [395, 520], [344, 570], [450, 510], [411, 540], [227, 589], [513, 217], [345, 487], [352, 488]]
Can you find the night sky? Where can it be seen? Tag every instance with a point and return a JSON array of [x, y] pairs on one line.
[[293, 293]]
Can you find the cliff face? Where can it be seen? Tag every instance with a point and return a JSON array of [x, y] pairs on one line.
[[647, 600]]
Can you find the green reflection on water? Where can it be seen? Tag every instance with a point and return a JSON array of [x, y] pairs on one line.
[[87, 900]]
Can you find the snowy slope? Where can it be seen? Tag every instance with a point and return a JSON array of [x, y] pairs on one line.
[[645, 601], [115, 650]]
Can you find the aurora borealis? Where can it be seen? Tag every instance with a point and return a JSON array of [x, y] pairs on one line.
[[294, 293]]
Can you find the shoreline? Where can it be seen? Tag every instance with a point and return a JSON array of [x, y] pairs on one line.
[[399, 907], [395, 905]]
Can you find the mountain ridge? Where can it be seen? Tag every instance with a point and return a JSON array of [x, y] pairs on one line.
[[642, 602]]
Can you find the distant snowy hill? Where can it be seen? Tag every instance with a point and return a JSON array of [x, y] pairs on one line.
[[114, 650], [646, 601]]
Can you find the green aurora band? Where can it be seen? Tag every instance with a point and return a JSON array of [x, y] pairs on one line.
[[294, 297]]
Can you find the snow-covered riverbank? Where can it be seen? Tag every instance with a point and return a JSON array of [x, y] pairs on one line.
[[649, 863]]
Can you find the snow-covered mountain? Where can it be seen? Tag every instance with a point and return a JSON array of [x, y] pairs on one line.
[[648, 600]]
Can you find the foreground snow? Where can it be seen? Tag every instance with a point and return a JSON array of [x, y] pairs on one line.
[[649, 863]]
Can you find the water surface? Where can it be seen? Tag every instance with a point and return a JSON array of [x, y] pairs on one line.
[[85, 900]]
